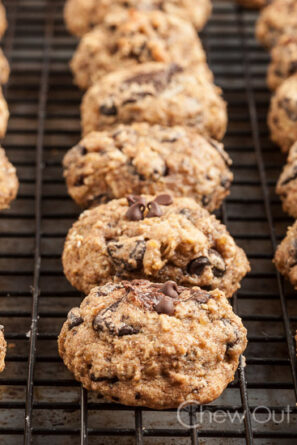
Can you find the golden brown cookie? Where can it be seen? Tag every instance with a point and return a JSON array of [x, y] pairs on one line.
[[128, 39], [286, 256], [283, 61], [3, 346], [9, 183], [141, 158], [3, 20], [4, 115], [4, 68], [275, 20], [157, 345], [287, 184], [156, 93], [158, 238], [282, 117], [82, 15]]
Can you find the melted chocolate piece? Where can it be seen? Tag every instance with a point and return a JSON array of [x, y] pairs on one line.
[[196, 266], [108, 110], [118, 253], [110, 380], [160, 79], [74, 318], [132, 199]]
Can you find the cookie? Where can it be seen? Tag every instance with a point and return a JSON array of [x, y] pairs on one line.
[[282, 116], [4, 68], [287, 184], [158, 238], [156, 93], [275, 20], [143, 159], [3, 346], [157, 345], [8, 181], [4, 115], [3, 20], [286, 256], [253, 4], [81, 15], [283, 61], [135, 37]]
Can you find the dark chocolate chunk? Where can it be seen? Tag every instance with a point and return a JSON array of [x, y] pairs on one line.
[[135, 212], [154, 210], [205, 200], [137, 396], [98, 323], [200, 296], [127, 330], [74, 318], [122, 253], [108, 110], [79, 181], [160, 79], [217, 263], [165, 306], [170, 289], [196, 266], [293, 67], [290, 107], [164, 199]]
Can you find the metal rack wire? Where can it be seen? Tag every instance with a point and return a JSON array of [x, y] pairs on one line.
[[40, 403]]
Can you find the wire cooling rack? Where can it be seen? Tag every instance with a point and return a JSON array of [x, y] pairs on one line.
[[40, 403]]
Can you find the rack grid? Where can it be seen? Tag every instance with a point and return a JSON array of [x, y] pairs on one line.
[[40, 402]]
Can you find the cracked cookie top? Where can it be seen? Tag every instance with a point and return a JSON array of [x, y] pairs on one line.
[[153, 344]]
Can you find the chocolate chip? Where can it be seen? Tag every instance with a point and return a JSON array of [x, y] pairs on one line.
[[127, 256], [127, 330], [171, 141], [132, 199], [98, 323], [196, 266], [217, 263], [110, 380], [137, 396], [83, 151], [170, 289], [135, 212], [79, 181], [108, 110], [74, 318], [164, 199], [154, 210], [165, 306], [200, 296]]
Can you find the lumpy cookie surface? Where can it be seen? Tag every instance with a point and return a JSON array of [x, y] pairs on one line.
[[282, 117], [156, 93], [283, 61], [83, 15], [141, 237], [286, 256], [143, 159], [275, 20], [4, 115], [3, 346], [155, 345], [4, 68], [132, 38], [287, 184], [8, 181]]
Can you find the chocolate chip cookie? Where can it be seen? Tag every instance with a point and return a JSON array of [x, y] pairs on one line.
[[282, 117], [156, 93], [4, 115], [287, 184], [283, 61], [286, 255], [253, 4], [144, 159], [4, 68], [158, 238], [275, 20], [128, 39], [2, 348], [8, 181], [81, 15], [3, 21], [149, 344]]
